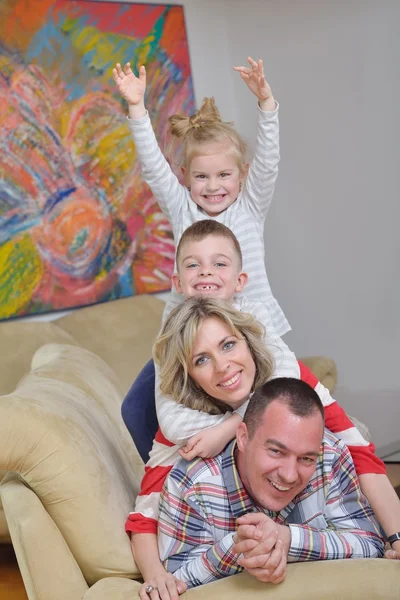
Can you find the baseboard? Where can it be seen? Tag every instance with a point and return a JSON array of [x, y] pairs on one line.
[[385, 451]]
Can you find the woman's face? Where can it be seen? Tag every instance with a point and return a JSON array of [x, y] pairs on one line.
[[222, 364]]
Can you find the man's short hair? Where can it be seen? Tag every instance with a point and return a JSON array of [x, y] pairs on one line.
[[198, 231], [300, 398]]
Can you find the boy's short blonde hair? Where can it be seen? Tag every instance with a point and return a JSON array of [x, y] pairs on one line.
[[173, 349], [204, 228]]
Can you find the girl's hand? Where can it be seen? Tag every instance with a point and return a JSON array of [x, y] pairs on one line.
[[130, 87], [165, 587], [254, 78]]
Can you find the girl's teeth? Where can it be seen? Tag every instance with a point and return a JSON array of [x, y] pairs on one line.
[[231, 381]]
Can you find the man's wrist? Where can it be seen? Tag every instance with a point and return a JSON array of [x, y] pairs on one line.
[[394, 538], [285, 537], [396, 545]]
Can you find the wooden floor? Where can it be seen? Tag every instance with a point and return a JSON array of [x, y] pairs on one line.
[[12, 587]]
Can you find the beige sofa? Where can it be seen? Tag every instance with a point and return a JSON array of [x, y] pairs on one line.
[[73, 471]]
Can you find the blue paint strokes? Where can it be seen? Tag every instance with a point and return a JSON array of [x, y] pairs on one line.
[[126, 283], [56, 198]]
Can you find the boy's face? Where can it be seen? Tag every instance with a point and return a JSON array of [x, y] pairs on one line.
[[209, 268]]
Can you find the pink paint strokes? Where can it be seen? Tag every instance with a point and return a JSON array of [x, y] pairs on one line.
[[77, 223]]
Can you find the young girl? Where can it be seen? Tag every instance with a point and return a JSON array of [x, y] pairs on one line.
[[218, 182]]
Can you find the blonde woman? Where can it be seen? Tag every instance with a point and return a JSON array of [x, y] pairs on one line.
[[210, 358]]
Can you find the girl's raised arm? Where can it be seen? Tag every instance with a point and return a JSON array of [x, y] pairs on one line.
[[254, 78]]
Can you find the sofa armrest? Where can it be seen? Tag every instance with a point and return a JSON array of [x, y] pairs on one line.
[[330, 579], [47, 566]]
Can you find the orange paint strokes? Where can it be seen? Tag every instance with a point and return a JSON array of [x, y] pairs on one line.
[[20, 20], [174, 41]]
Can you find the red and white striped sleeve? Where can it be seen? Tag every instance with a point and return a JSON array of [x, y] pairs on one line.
[[163, 456], [337, 421]]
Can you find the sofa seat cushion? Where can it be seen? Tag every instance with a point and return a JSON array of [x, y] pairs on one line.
[[62, 431]]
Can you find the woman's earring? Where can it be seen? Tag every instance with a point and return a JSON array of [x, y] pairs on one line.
[[188, 188]]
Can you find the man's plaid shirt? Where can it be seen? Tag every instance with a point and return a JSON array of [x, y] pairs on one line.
[[202, 499]]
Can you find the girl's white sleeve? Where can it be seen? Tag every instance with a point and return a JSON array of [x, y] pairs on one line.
[[178, 423], [169, 193], [259, 186], [286, 363]]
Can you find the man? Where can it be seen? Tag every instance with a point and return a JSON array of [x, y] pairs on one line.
[[285, 490]]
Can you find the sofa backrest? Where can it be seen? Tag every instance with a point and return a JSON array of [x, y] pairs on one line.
[[121, 332]]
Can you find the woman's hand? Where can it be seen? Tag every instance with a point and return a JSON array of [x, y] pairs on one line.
[[130, 87], [212, 441], [165, 587], [254, 78], [204, 445]]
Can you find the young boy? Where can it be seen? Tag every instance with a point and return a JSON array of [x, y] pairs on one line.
[[209, 264]]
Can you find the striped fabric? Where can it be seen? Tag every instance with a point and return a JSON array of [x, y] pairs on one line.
[[245, 217], [201, 500]]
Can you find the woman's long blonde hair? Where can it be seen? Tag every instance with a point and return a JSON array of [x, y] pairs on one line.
[[204, 127], [173, 349]]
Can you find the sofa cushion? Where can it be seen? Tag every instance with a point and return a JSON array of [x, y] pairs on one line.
[[62, 431], [121, 332]]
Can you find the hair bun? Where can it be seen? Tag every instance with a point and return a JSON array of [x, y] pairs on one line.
[[207, 114]]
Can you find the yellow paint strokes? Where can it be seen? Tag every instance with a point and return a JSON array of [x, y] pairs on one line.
[[115, 152], [87, 39], [144, 50], [20, 20], [101, 276], [21, 270]]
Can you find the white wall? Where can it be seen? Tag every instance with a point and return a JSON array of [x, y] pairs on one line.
[[332, 238]]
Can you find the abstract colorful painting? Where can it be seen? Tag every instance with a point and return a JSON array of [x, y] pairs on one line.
[[77, 223]]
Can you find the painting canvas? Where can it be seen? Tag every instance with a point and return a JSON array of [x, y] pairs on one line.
[[77, 223]]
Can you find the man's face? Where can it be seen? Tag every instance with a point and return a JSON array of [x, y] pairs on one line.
[[279, 460], [209, 268]]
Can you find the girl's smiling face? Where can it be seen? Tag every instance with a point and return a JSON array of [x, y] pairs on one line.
[[214, 178], [222, 364]]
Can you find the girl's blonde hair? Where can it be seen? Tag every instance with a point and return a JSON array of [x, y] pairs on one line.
[[173, 349], [204, 127]]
